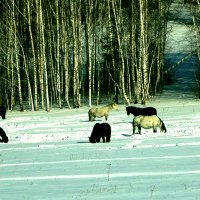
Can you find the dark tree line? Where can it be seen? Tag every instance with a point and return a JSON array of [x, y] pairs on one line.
[[67, 53], [195, 10]]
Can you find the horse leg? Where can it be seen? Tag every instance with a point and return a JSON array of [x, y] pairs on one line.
[[98, 139], [133, 129], [90, 119], [106, 117], [103, 137], [139, 129], [154, 129]]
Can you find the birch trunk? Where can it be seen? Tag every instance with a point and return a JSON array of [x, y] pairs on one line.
[[43, 58], [88, 49], [74, 21], [144, 50], [58, 55], [122, 71], [65, 47], [16, 52], [34, 59]]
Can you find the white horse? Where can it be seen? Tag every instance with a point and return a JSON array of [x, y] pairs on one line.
[[148, 122], [101, 112]]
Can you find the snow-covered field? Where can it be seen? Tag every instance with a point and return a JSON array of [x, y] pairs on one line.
[[49, 157]]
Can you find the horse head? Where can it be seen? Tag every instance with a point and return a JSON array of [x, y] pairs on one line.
[[115, 106]]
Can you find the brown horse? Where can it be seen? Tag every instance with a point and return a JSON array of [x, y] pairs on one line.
[[148, 122], [101, 112]]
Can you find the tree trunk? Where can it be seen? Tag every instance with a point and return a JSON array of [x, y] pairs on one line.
[[34, 59], [43, 58], [144, 64], [16, 52], [122, 69], [88, 6], [74, 21], [58, 55], [65, 47]]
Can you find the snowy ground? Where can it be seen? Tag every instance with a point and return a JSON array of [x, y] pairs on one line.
[[49, 157]]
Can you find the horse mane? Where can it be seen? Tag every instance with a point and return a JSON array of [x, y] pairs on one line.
[[111, 104]]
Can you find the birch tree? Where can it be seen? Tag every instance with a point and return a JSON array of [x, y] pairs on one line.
[[117, 18], [58, 54], [74, 6], [43, 64], [65, 47], [33, 56], [88, 9]]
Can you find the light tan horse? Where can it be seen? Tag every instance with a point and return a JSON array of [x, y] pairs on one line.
[[101, 112], [147, 122]]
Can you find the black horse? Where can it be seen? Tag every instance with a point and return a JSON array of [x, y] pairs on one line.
[[3, 111], [100, 131], [148, 111], [3, 136]]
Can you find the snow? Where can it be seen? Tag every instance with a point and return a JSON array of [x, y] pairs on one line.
[[49, 156]]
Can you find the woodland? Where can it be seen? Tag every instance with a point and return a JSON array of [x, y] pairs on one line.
[[69, 53]]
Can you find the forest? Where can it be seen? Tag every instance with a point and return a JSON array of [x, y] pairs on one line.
[[69, 53]]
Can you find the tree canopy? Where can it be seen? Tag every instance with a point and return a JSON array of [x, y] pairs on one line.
[[69, 53]]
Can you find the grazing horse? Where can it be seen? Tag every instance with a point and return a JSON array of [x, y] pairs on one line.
[[3, 111], [147, 122], [141, 111], [3, 136], [100, 131], [101, 112]]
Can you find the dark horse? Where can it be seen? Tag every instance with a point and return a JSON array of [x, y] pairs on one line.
[[148, 122], [3, 136], [100, 131], [141, 111], [3, 111]]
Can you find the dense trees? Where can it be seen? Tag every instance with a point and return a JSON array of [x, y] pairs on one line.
[[195, 10], [66, 53]]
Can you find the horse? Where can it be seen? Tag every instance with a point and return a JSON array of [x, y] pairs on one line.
[[3, 136], [3, 111], [141, 111], [101, 112], [100, 131], [148, 122]]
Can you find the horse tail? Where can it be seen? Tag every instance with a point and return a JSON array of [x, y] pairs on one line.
[[162, 126]]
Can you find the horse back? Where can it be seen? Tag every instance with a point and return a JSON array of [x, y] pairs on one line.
[[106, 131], [106, 127], [136, 111], [146, 121], [150, 111]]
